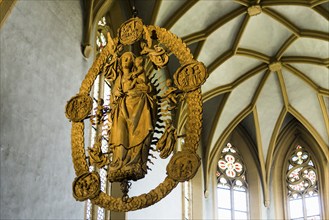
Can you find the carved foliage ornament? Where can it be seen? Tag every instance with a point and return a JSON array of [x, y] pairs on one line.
[[136, 108]]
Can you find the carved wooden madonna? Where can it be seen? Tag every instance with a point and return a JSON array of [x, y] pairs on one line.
[[136, 109]]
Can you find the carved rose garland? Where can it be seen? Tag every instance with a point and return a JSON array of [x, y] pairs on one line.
[[136, 106]]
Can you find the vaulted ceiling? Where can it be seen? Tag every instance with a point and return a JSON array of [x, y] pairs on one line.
[[267, 61]]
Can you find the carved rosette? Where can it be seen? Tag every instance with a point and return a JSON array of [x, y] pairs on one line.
[[188, 78]]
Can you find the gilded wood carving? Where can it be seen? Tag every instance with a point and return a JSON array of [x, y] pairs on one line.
[[136, 109]]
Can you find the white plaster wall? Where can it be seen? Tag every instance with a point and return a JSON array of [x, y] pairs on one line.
[[41, 68]]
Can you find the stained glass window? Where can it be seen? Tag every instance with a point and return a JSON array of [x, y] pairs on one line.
[[102, 29], [302, 185], [232, 187]]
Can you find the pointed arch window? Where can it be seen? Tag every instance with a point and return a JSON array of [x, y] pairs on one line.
[[100, 93], [232, 187], [102, 29], [302, 186]]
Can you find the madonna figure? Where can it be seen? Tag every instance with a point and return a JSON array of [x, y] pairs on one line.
[[133, 118]]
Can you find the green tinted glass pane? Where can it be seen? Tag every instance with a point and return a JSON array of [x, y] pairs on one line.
[[224, 214], [296, 208], [240, 201], [312, 206], [240, 215], [224, 198], [317, 217]]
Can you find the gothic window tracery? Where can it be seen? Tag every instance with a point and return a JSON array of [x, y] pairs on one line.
[[102, 29], [302, 186], [232, 187]]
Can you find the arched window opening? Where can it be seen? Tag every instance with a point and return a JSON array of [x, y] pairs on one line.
[[302, 186], [232, 187], [101, 38], [100, 93]]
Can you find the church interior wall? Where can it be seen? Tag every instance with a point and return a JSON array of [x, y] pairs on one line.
[[41, 67]]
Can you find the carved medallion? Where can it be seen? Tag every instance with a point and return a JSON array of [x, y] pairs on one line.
[[131, 31], [190, 76], [78, 107], [183, 166], [86, 186]]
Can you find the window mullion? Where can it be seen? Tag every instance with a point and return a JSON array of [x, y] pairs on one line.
[[232, 203]]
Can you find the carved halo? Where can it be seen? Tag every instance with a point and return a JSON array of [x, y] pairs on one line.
[[193, 128]]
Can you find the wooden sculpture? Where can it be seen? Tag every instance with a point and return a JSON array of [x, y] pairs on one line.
[[137, 107]]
